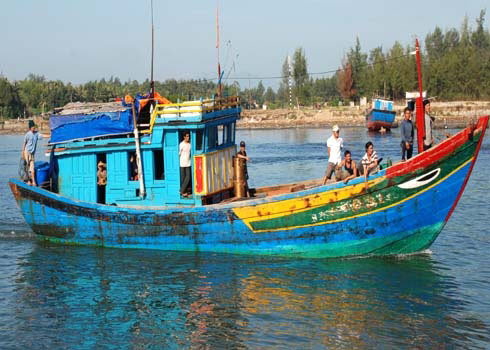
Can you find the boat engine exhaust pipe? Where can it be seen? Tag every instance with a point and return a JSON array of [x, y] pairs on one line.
[[239, 177]]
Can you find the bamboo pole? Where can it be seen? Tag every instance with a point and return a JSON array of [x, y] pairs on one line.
[[138, 154]]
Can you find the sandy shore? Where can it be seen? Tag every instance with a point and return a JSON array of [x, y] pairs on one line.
[[451, 114], [20, 126]]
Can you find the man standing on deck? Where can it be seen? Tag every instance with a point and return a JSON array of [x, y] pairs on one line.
[[406, 131], [185, 164], [334, 148], [29, 149], [429, 120]]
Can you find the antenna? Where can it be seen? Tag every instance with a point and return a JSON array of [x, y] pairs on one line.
[[152, 82], [217, 47]]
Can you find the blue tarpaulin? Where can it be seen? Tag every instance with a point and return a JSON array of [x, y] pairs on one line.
[[81, 126]]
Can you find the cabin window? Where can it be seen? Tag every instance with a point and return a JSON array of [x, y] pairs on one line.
[[221, 135], [232, 133], [199, 139], [212, 137], [226, 134], [158, 165], [132, 167]]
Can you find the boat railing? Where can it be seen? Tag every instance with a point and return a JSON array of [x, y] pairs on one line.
[[190, 109]]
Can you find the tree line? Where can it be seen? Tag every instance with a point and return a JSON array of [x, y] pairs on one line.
[[36, 94], [456, 65]]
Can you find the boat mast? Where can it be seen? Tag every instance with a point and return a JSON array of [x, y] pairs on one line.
[[419, 102], [138, 154], [217, 48], [141, 176], [152, 82]]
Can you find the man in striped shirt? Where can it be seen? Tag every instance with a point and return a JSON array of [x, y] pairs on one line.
[[370, 160]]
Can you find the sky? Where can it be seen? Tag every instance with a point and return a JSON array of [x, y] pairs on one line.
[[81, 40]]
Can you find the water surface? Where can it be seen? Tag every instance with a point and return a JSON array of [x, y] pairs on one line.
[[57, 297]]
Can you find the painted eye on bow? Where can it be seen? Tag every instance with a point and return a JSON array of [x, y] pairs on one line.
[[421, 180]]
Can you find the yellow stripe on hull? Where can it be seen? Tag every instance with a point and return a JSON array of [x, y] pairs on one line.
[[286, 207], [298, 205]]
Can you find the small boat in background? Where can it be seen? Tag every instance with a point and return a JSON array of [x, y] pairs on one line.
[[381, 115]]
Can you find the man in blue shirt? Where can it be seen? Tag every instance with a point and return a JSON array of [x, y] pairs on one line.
[[406, 131], [29, 149]]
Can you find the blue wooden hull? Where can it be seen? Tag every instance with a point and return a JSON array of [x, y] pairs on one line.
[[401, 212], [377, 119], [219, 230]]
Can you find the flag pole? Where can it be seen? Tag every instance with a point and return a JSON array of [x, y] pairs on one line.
[[217, 49], [152, 82], [419, 102]]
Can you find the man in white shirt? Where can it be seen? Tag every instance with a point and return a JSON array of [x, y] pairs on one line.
[[185, 164], [334, 148]]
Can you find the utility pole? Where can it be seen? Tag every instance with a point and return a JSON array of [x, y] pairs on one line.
[[290, 83]]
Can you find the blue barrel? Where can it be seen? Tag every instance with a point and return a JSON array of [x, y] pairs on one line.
[[42, 172]]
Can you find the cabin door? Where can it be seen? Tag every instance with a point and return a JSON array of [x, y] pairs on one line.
[[172, 165]]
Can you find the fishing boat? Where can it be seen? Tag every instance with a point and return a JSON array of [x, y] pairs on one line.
[[399, 210], [381, 115]]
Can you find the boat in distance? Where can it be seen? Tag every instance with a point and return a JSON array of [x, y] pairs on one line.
[[381, 115], [400, 210]]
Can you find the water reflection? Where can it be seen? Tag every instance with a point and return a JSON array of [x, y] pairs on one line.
[[145, 299], [363, 303]]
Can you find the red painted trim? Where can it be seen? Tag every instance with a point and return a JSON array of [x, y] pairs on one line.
[[198, 174], [435, 153], [482, 124], [420, 120]]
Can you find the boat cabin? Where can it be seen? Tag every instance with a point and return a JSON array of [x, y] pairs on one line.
[[80, 141]]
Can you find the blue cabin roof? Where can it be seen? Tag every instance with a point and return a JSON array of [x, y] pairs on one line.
[[78, 121], [211, 125]]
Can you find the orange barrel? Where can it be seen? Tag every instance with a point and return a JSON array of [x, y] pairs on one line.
[[239, 177]]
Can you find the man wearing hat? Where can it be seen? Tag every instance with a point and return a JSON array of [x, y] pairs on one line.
[[101, 173], [334, 148], [243, 155], [428, 121], [29, 149]]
